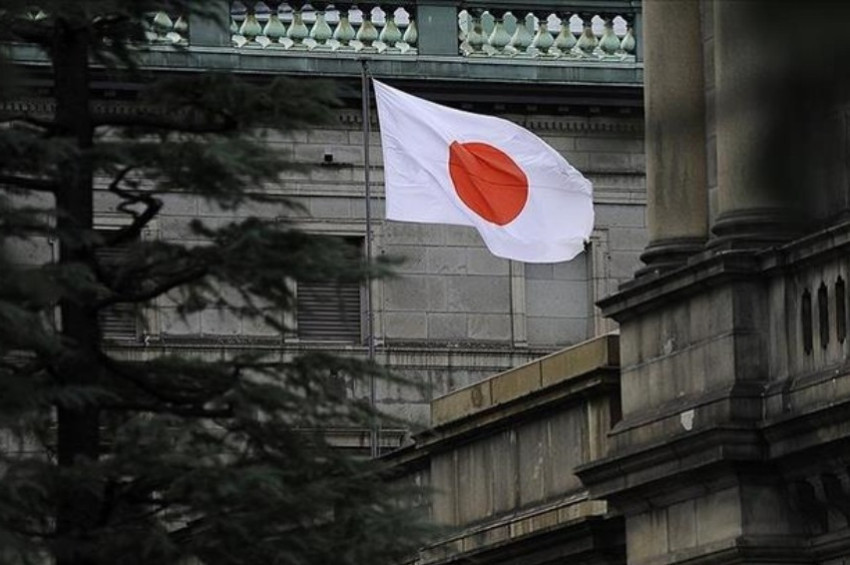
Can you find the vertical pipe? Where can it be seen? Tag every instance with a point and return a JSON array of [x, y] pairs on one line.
[[374, 435]]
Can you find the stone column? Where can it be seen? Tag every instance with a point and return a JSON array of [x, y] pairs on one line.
[[674, 95], [754, 208]]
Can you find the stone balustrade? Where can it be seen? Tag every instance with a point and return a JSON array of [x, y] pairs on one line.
[[160, 27], [513, 30], [518, 29], [545, 33], [295, 26], [167, 29], [593, 42]]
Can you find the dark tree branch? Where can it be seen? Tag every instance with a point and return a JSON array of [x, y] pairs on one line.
[[226, 125], [188, 276], [27, 532], [182, 411], [30, 183], [152, 207], [157, 391], [28, 31]]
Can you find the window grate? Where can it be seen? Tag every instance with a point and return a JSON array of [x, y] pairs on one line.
[[118, 322], [330, 310]]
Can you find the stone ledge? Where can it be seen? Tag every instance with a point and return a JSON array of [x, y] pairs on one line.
[[514, 529], [741, 550], [276, 62], [632, 478], [648, 293], [524, 381]]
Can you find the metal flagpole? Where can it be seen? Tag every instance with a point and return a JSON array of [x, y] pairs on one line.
[[375, 431]]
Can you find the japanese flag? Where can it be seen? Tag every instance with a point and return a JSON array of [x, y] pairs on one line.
[[446, 166]]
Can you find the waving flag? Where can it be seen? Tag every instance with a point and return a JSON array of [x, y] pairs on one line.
[[446, 166]]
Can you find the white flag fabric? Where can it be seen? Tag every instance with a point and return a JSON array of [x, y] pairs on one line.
[[446, 166]]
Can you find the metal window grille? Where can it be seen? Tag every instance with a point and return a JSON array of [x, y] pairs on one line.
[[330, 310], [118, 322]]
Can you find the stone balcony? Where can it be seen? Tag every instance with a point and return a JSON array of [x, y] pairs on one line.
[[592, 42]]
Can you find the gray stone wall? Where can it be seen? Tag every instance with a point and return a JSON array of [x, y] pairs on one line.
[[454, 314]]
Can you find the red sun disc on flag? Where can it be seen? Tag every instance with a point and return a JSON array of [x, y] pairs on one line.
[[488, 181]]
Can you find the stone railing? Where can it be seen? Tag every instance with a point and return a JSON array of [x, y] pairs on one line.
[[160, 27], [498, 29], [168, 29], [546, 33], [588, 30], [295, 26]]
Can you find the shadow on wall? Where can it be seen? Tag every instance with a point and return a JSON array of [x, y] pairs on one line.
[[800, 78]]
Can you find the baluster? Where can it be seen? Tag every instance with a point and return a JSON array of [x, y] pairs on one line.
[[522, 38], [543, 40], [147, 24], [587, 43], [274, 30], [367, 34], [390, 35], [628, 43], [181, 30], [566, 41], [162, 26], [250, 27], [344, 32], [237, 15], [463, 19], [475, 37], [610, 43], [262, 11], [499, 38], [321, 31], [411, 34], [297, 31]]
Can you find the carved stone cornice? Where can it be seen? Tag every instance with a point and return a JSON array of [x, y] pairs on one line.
[[541, 123]]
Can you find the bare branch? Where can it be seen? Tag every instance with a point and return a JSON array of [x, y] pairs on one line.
[[152, 207]]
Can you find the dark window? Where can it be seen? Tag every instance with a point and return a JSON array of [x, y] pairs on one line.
[[840, 311], [806, 321], [118, 322], [330, 310], [823, 315]]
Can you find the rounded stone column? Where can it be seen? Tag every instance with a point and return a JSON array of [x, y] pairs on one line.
[[674, 97], [754, 208]]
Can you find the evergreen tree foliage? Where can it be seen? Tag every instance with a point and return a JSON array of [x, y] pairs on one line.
[[156, 458]]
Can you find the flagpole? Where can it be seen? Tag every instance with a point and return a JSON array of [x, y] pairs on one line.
[[375, 431]]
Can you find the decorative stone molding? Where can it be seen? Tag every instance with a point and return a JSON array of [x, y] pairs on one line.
[[543, 123]]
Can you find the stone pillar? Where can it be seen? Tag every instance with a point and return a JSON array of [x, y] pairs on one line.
[[754, 208], [677, 198], [437, 23], [211, 28]]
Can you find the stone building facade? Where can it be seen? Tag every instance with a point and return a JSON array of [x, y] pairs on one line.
[[722, 434], [454, 314]]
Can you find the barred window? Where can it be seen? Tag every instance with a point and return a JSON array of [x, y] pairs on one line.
[[118, 322]]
